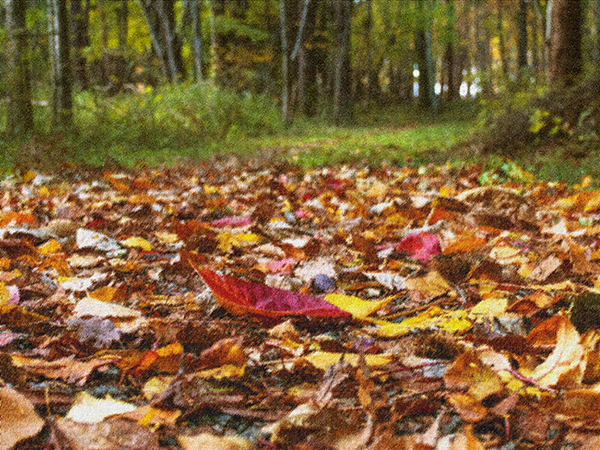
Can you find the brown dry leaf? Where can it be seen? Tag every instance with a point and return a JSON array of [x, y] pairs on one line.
[[578, 403], [431, 285], [18, 419], [467, 407], [111, 434], [468, 372], [224, 352], [206, 441], [67, 369], [465, 440], [546, 268], [566, 356]]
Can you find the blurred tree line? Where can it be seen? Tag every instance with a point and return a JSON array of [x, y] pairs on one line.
[[316, 57]]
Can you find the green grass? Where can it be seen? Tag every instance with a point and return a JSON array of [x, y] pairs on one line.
[[178, 124]]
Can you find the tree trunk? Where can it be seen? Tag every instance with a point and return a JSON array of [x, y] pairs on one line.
[[20, 111], [155, 36], [565, 46], [596, 43], [448, 61], [522, 37], [501, 39], [423, 47], [195, 8], [166, 13], [103, 25], [122, 24], [62, 102], [160, 19], [342, 86], [483, 57], [541, 40], [79, 30], [307, 69], [285, 107]]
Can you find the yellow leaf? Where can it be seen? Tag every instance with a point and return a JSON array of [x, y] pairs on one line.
[[44, 192], [4, 294], [594, 202], [156, 386], [47, 248], [356, 306], [228, 240], [322, 360], [28, 176], [104, 294], [451, 321], [224, 371], [208, 189], [137, 242], [490, 308], [166, 238]]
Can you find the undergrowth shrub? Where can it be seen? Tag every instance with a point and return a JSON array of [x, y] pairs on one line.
[[181, 116], [537, 117]]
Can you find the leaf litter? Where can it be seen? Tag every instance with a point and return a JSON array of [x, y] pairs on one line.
[[233, 305]]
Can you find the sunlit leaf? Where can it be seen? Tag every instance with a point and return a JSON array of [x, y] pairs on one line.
[[356, 306], [566, 356]]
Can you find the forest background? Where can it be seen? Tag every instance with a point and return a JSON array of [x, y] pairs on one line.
[[327, 81]]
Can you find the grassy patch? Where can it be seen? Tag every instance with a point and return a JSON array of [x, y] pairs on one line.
[[178, 124]]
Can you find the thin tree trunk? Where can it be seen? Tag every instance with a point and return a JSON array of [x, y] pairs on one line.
[[423, 44], [103, 26], [79, 30], [154, 30], [166, 21], [307, 70], [62, 102], [122, 24], [195, 8], [501, 39], [285, 109], [522, 37], [535, 54], [20, 111], [596, 43], [565, 49], [342, 86], [541, 40], [547, 37], [483, 58]]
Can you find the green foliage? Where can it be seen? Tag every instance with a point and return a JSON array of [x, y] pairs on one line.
[[180, 119]]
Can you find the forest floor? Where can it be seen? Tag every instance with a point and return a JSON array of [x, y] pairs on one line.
[[252, 303]]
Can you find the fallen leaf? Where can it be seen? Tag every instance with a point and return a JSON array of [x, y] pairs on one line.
[[567, 355], [205, 441], [245, 298], [111, 434], [356, 306], [421, 246], [18, 419], [89, 409]]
